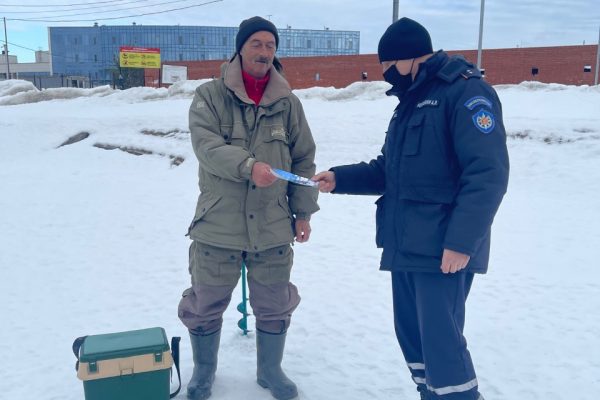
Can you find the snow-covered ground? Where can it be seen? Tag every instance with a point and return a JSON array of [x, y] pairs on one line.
[[92, 241]]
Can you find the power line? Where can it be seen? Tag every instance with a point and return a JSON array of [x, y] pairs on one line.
[[60, 5], [72, 9], [17, 45], [113, 18], [108, 11], [71, 59]]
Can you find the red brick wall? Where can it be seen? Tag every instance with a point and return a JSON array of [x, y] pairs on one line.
[[555, 65]]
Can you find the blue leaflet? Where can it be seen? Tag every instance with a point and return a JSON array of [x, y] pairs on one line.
[[293, 178]]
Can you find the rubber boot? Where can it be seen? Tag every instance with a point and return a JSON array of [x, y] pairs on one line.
[[269, 349], [205, 350]]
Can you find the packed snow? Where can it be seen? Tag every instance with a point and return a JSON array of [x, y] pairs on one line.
[[93, 242]]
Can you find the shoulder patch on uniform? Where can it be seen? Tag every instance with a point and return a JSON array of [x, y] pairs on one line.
[[484, 121], [200, 104], [477, 101]]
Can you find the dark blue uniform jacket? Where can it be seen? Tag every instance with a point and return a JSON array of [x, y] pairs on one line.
[[443, 169]]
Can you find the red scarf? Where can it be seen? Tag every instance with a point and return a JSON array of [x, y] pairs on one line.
[[255, 88]]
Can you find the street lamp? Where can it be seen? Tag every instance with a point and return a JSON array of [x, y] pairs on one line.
[[480, 34]]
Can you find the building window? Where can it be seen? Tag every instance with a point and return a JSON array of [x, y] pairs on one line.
[[329, 44], [180, 57], [202, 41], [224, 40], [76, 57], [288, 43], [95, 58], [114, 40], [94, 40], [74, 40], [203, 56], [349, 44], [180, 40], [308, 43]]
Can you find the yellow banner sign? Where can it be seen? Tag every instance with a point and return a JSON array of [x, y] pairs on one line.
[[139, 57]]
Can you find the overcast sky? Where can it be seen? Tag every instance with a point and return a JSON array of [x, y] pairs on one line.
[[454, 25]]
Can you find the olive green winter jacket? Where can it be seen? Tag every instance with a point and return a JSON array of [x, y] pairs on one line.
[[229, 133]]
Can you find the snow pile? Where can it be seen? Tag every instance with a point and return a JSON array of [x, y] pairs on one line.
[[35, 95], [14, 92], [140, 94], [185, 88], [354, 91], [548, 87], [14, 86]]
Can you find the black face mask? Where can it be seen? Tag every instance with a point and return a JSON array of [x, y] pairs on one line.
[[400, 82]]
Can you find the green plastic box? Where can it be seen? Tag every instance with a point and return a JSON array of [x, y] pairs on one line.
[[132, 365]]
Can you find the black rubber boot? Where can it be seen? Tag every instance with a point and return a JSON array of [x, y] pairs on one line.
[[205, 350], [269, 349]]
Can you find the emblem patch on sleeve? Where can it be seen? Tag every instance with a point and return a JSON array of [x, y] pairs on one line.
[[484, 121]]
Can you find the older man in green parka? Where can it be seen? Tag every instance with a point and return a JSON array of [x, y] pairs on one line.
[[242, 125]]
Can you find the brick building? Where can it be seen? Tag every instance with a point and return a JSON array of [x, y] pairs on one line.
[[573, 65]]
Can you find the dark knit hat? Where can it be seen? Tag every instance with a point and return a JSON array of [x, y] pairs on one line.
[[403, 40], [252, 25]]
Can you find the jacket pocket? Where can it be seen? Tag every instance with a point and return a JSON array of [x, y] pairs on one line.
[[234, 135], [226, 130], [278, 222], [282, 201], [205, 203], [379, 221], [412, 141], [275, 148], [424, 227], [280, 211]]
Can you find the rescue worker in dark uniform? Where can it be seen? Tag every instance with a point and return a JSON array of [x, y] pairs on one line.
[[442, 174]]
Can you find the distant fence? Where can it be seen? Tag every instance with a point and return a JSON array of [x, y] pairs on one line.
[[58, 81]]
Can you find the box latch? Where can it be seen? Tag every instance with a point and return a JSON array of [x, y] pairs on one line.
[[158, 357], [92, 367]]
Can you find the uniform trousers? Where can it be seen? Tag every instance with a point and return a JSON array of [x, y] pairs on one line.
[[215, 273], [429, 317]]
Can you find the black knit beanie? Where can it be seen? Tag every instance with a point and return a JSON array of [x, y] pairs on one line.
[[403, 40], [252, 25]]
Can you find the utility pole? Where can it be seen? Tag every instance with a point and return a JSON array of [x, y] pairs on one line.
[[597, 59], [395, 15], [480, 34], [6, 50]]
